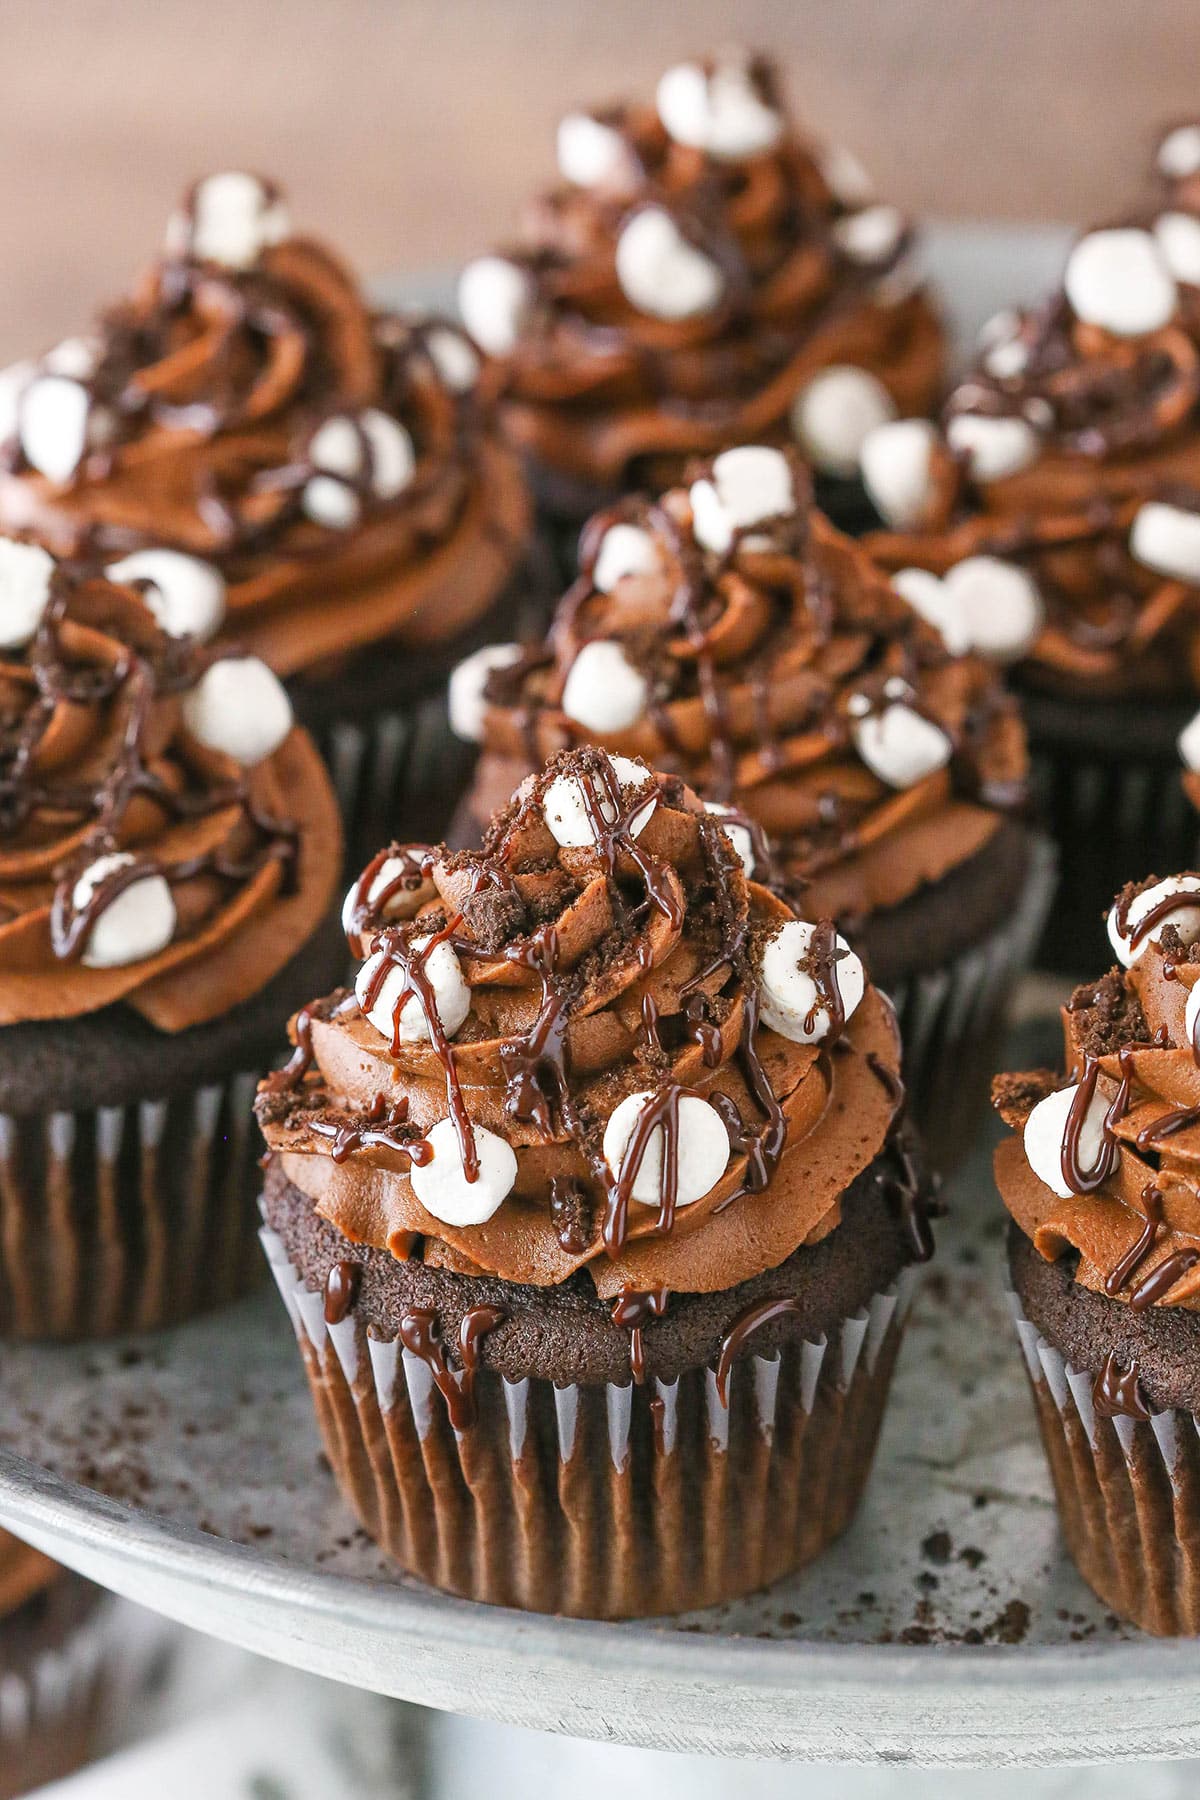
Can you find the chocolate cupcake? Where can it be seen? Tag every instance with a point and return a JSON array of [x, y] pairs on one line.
[[594, 1209], [285, 468], [169, 851], [1103, 1185], [1058, 504], [729, 633], [701, 274], [56, 1657]]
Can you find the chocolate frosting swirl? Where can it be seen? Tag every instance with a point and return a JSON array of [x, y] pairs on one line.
[[630, 966], [206, 393], [607, 392], [97, 760], [762, 665]]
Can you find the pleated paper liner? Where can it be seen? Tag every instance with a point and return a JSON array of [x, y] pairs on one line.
[[605, 1501], [1128, 1493], [952, 1020], [57, 1656]]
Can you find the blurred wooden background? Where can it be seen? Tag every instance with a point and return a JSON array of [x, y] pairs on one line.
[[407, 130]]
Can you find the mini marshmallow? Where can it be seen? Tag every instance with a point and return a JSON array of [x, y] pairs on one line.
[[845, 177], [1178, 236], [75, 357], [927, 595], [1045, 1129], [603, 691], [495, 298], [453, 357], [703, 1149], [13, 382], [186, 595], [232, 220], [721, 113], [1119, 280], [998, 604], [993, 447], [1185, 919], [895, 465], [660, 272], [1191, 1014], [467, 682], [441, 1184], [26, 571], [834, 413], [594, 155], [565, 811], [790, 1002], [337, 449], [737, 834], [1167, 538], [240, 708], [624, 550], [749, 485], [1179, 153], [405, 903], [56, 426], [137, 923], [451, 995], [900, 745], [1007, 360], [1189, 744], [869, 236]]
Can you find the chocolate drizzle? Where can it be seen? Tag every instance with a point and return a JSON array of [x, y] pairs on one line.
[[1117, 1391], [763, 1312], [632, 1311], [420, 1334]]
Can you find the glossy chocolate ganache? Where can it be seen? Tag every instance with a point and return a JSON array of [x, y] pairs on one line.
[[1102, 1174], [591, 1049], [1059, 498], [287, 466], [700, 274], [168, 838], [728, 633]]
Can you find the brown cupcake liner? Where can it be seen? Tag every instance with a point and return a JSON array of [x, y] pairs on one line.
[[1128, 1493], [952, 1020], [602, 1501], [127, 1218], [53, 1696]]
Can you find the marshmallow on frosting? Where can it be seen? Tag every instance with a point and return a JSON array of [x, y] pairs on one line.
[[791, 1004], [1178, 236], [718, 111], [405, 903], [454, 357], [592, 154], [565, 808], [451, 995], [898, 744], [186, 595], [738, 835], [1185, 919], [240, 708], [993, 447], [467, 683], [1167, 538], [1119, 280], [1189, 744], [660, 272], [441, 1184], [748, 486], [136, 923], [26, 572], [343, 450], [703, 1148], [927, 594], [495, 298], [1045, 1131], [233, 217], [895, 465], [982, 604], [603, 691], [624, 550], [1179, 153], [59, 424], [834, 413], [870, 236]]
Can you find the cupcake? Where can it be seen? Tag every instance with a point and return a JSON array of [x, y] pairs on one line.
[[1058, 505], [728, 633], [1101, 1180], [55, 1660], [169, 851], [283, 467], [594, 1207], [701, 274]]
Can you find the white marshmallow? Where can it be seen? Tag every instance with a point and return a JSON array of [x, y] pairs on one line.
[[75, 357], [55, 425], [1191, 1013], [603, 691], [998, 328], [441, 1184], [749, 485], [26, 571], [1119, 280], [405, 903], [790, 1003], [845, 176], [900, 745], [927, 595], [1178, 237], [993, 447], [721, 113], [869, 236], [1179, 153], [338, 450], [594, 155], [240, 708], [737, 834], [1185, 919], [624, 550], [13, 382], [467, 682], [1189, 744], [453, 357], [138, 923], [998, 604], [833, 415], [451, 995], [703, 1149], [895, 466], [1006, 360], [564, 807], [1167, 538], [233, 220], [1045, 1129], [495, 298], [186, 595], [660, 272]]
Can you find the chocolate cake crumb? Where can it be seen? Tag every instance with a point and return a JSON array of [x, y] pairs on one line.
[[1107, 1014], [1015, 1094]]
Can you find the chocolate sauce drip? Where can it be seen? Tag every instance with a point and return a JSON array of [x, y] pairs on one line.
[[1077, 1178], [1117, 1390], [535, 1067], [1126, 1268], [368, 912], [1162, 1279], [384, 1126], [341, 1291], [761, 1313], [420, 1334], [632, 1311]]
